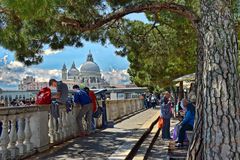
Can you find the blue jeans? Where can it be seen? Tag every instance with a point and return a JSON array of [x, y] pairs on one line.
[[182, 131], [166, 128], [93, 125]]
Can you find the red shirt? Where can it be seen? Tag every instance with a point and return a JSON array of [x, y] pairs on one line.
[[94, 100]]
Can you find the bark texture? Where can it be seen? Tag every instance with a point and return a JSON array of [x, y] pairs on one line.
[[217, 132], [196, 148]]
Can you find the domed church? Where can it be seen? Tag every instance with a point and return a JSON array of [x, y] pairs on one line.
[[89, 74]]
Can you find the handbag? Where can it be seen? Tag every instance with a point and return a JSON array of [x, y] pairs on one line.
[[160, 122]]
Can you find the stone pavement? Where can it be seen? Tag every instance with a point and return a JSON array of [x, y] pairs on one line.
[[104, 144]]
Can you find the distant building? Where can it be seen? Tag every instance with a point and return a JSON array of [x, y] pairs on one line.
[[89, 74], [29, 84], [6, 96]]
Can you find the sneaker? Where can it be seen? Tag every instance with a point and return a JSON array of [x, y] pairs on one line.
[[179, 145]]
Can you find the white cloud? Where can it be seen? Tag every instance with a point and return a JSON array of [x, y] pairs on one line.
[[117, 77], [15, 71], [43, 75], [15, 64], [50, 51]]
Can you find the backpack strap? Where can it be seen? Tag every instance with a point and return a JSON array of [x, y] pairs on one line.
[[97, 103]]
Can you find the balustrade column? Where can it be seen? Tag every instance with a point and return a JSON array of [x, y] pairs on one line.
[[75, 121], [64, 124], [13, 139], [60, 129], [68, 123], [28, 133], [74, 126], [4, 139], [21, 136], [51, 129], [108, 110], [40, 125], [55, 129]]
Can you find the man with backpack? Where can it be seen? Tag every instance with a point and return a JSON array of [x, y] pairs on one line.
[[60, 97], [62, 91], [82, 99]]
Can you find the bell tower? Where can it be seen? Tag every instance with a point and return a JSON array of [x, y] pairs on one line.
[[64, 73]]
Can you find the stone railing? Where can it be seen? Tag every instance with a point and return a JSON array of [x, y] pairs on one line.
[[119, 108], [27, 130]]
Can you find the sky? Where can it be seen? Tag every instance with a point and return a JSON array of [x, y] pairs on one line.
[[12, 71]]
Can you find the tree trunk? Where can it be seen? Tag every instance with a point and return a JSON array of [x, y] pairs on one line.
[[196, 148], [216, 130]]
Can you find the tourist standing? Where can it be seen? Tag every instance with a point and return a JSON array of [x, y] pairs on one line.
[[166, 113], [82, 100], [58, 98]]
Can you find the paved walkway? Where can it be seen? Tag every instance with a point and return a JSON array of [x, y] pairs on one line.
[[106, 143]]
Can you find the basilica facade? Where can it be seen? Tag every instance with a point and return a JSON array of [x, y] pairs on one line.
[[89, 75]]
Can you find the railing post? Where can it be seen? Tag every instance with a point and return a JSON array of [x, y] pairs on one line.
[[64, 124], [13, 139], [4, 139], [68, 123], [55, 129], [51, 129], [28, 134], [39, 129], [21, 136], [60, 127], [108, 110], [74, 123]]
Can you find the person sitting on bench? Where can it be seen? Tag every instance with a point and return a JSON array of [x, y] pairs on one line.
[[187, 123]]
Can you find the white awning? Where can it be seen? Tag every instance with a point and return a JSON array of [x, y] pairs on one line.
[[189, 77]]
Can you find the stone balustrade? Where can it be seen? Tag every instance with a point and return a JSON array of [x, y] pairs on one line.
[[119, 108], [27, 130]]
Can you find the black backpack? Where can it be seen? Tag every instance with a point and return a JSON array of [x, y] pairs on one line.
[[98, 112]]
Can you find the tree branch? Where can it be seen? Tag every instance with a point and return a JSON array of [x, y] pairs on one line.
[[3, 10], [172, 7]]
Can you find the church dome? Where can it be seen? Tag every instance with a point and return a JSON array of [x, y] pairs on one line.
[[73, 71], [90, 65]]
